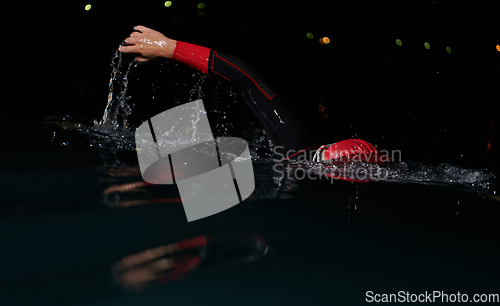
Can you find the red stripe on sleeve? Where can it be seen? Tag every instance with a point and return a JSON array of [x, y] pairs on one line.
[[191, 243], [192, 55]]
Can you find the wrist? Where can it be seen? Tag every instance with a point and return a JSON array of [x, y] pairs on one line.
[[169, 48]]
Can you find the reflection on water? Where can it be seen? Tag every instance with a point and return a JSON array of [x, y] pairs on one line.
[[269, 185], [274, 180], [175, 261]]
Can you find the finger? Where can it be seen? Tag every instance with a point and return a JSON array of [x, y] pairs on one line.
[[132, 40], [128, 49], [141, 59], [137, 35], [142, 29]]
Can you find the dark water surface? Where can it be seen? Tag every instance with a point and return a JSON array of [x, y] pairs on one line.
[[328, 241]]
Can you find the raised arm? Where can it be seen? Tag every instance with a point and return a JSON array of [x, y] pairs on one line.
[[283, 127]]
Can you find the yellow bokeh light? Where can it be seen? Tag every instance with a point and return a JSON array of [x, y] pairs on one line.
[[427, 45], [399, 42], [448, 49], [498, 48], [88, 7], [168, 3], [324, 40]]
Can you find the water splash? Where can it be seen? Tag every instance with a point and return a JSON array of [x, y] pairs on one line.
[[113, 132], [443, 173], [195, 93], [117, 110], [401, 172]]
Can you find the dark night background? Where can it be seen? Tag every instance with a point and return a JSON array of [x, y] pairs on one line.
[[63, 228], [428, 103]]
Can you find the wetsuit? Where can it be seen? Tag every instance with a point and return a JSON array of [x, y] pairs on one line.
[[283, 127]]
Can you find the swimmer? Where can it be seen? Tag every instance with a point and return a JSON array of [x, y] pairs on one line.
[[282, 125]]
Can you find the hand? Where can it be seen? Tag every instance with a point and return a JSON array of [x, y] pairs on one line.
[[148, 44]]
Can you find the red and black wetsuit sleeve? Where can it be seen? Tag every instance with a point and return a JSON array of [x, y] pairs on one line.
[[283, 127]]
